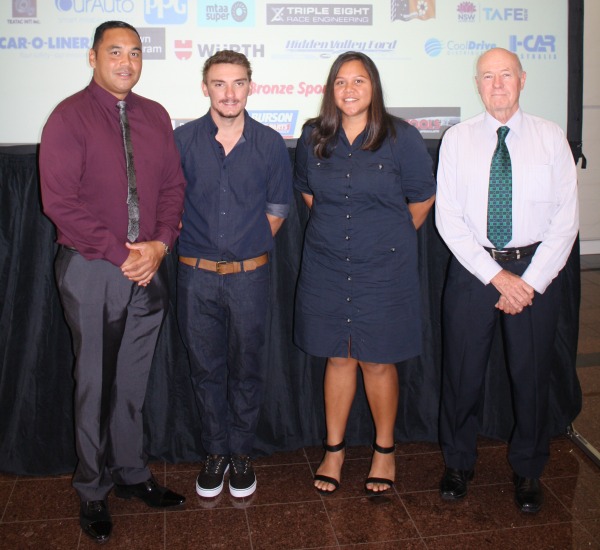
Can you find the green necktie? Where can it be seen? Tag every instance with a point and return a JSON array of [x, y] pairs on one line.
[[499, 226]]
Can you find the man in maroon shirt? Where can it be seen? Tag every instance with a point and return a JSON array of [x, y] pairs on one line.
[[114, 292]]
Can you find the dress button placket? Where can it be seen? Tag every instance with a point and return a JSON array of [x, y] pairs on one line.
[[347, 239]]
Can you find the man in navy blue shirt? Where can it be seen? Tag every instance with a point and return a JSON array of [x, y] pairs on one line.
[[238, 193]]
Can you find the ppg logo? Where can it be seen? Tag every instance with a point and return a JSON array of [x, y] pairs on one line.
[[165, 11], [24, 8]]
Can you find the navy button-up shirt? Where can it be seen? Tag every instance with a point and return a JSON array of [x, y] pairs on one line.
[[228, 197]]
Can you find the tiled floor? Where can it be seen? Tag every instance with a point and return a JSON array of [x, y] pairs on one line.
[[287, 513]]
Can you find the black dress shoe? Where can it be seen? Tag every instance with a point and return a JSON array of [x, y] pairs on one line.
[[454, 483], [528, 494], [151, 493], [95, 520]]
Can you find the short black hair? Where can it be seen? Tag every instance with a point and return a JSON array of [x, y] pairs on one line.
[[111, 25]]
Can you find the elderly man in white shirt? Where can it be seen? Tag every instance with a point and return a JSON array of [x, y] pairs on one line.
[[516, 282]]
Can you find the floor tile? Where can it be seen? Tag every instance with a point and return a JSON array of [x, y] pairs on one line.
[[485, 508], [132, 532], [276, 459], [557, 536], [285, 483], [224, 529], [42, 499], [6, 488], [579, 494], [46, 534], [375, 519], [287, 526]]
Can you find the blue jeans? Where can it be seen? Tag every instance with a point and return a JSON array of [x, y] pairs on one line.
[[222, 321]]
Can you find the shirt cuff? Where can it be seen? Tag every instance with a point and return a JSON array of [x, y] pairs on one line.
[[278, 210]]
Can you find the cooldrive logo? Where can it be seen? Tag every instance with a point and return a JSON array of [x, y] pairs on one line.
[[163, 12], [467, 12], [226, 14], [249, 50], [434, 47], [283, 122], [405, 10], [505, 14], [49, 42], [95, 6], [319, 14], [534, 46], [24, 12], [153, 43], [309, 48]]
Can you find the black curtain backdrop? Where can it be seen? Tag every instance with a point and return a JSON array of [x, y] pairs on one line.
[[36, 384]]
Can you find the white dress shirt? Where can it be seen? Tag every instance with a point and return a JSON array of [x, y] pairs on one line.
[[544, 186]]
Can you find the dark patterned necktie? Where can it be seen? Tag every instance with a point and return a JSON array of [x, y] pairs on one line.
[[499, 224], [133, 209]]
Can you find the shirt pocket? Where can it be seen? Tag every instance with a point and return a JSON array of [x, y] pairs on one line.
[[539, 191]]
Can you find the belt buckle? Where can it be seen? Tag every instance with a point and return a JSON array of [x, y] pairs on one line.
[[496, 254], [219, 265]]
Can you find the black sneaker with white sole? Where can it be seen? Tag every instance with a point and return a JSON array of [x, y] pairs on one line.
[[242, 480], [209, 482]]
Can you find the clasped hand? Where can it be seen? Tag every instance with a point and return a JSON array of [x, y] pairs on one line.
[[143, 261], [515, 293]]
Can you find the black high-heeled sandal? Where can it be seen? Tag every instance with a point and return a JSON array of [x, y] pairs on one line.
[[327, 479], [389, 482]]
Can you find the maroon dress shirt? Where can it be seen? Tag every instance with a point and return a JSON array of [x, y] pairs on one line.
[[84, 175]]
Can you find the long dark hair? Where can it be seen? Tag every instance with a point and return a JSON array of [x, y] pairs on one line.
[[327, 125]]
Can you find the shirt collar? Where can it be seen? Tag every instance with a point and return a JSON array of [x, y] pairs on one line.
[[514, 123], [213, 128], [109, 101]]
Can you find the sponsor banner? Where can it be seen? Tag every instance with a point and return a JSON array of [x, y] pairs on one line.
[[510, 15], [319, 14], [432, 122], [165, 12], [467, 12], [310, 48], [406, 10], [283, 122], [153, 42], [533, 46], [24, 12], [183, 49], [45, 43], [95, 7], [249, 50], [302, 88], [434, 47], [226, 13]]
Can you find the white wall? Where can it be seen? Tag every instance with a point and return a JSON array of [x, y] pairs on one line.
[[589, 179]]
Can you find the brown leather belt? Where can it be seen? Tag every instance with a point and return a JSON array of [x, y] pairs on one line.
[[510, 254], [226, 268]]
